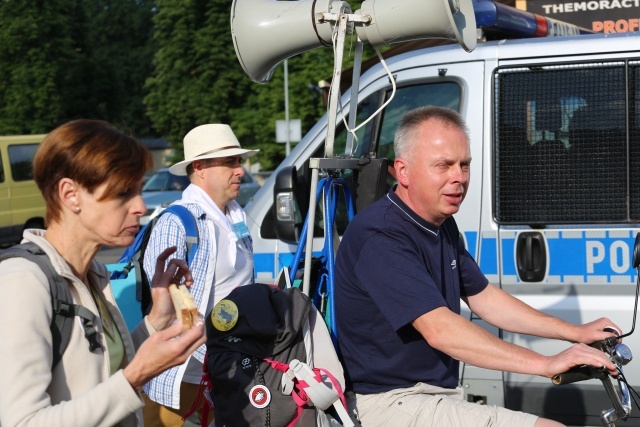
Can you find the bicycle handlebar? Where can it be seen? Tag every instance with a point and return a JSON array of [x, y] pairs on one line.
[[620, 355], [581, 373]]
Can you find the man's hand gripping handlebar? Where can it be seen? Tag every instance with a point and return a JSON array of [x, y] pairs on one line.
[[620, 355]]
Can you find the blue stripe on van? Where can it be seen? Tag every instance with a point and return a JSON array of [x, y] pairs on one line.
[[471, 238], [264, 263], [581, 256], [489, 255]]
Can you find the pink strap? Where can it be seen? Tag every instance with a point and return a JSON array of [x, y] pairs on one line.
[[335, 383], [300, 400], [282, 367], [298, 394]]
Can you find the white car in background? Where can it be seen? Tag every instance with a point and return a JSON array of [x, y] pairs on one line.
[[164, 188]]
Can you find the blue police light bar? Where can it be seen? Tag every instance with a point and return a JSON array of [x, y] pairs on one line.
[[503, 19]]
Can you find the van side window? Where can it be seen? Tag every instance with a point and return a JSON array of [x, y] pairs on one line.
[[21, 161], [444, 94], [366, 108], [1, 169], [634, 138], [561, 147], [377, 136]]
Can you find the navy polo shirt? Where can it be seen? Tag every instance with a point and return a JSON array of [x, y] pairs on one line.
[[392, 267]]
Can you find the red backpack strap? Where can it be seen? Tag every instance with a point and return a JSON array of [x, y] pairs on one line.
[[300, 400], [204, 392], [309, 386]]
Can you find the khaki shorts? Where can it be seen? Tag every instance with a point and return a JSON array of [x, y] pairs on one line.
[[427, 405], [156, 415]]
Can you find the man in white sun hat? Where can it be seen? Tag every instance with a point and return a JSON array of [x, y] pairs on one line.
[[224, 259]]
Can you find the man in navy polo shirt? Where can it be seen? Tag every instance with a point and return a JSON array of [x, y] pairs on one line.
[[400, 273]]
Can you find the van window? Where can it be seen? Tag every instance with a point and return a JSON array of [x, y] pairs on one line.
[[364, 135], [377, 136], [21, 161], [1, 169], [562, 154], [443, 94], [634, 139]]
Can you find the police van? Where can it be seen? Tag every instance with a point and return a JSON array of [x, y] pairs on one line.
[[554, 200]]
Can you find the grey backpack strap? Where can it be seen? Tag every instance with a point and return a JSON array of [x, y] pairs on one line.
[[61, 301]]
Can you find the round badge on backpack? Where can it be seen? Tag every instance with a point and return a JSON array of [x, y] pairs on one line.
[[224, 315], [260, 396]]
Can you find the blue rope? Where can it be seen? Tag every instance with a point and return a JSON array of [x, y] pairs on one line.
[[332, 196], [329, 188], [303, 237]]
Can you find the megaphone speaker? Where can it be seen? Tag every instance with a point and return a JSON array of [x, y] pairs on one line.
[[394, 21], [266, 32]]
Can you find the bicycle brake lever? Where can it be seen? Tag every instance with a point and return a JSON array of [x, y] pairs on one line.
[[607, 345], [612, 340]]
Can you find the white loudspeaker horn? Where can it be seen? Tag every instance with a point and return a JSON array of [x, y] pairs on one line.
[[266, 32], [394, 21]]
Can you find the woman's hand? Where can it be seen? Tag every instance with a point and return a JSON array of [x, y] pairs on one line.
[[162, 351], [162, 312]]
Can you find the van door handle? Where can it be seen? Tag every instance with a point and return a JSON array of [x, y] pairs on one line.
[[531, 256]]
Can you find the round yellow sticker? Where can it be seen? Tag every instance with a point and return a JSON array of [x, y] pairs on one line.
[[224, 315]]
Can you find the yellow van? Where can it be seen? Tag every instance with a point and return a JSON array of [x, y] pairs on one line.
[[21, 204]]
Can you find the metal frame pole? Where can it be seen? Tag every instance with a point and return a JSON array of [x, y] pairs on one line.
[[353, 102], [328, 148], [286, 106], [342, 21]]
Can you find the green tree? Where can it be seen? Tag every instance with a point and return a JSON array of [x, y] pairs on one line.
[[120, 53], [67, 59], [256, 120], [196, 77], [41, 55]]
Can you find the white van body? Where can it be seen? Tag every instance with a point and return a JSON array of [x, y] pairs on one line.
[[554, 201]]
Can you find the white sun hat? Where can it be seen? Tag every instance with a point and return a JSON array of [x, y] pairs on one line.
[[208, 142]]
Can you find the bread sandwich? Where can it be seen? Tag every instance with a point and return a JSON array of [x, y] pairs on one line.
[[185, 305]]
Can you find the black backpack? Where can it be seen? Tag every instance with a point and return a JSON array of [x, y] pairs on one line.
[[255, 343], [64, 310]]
